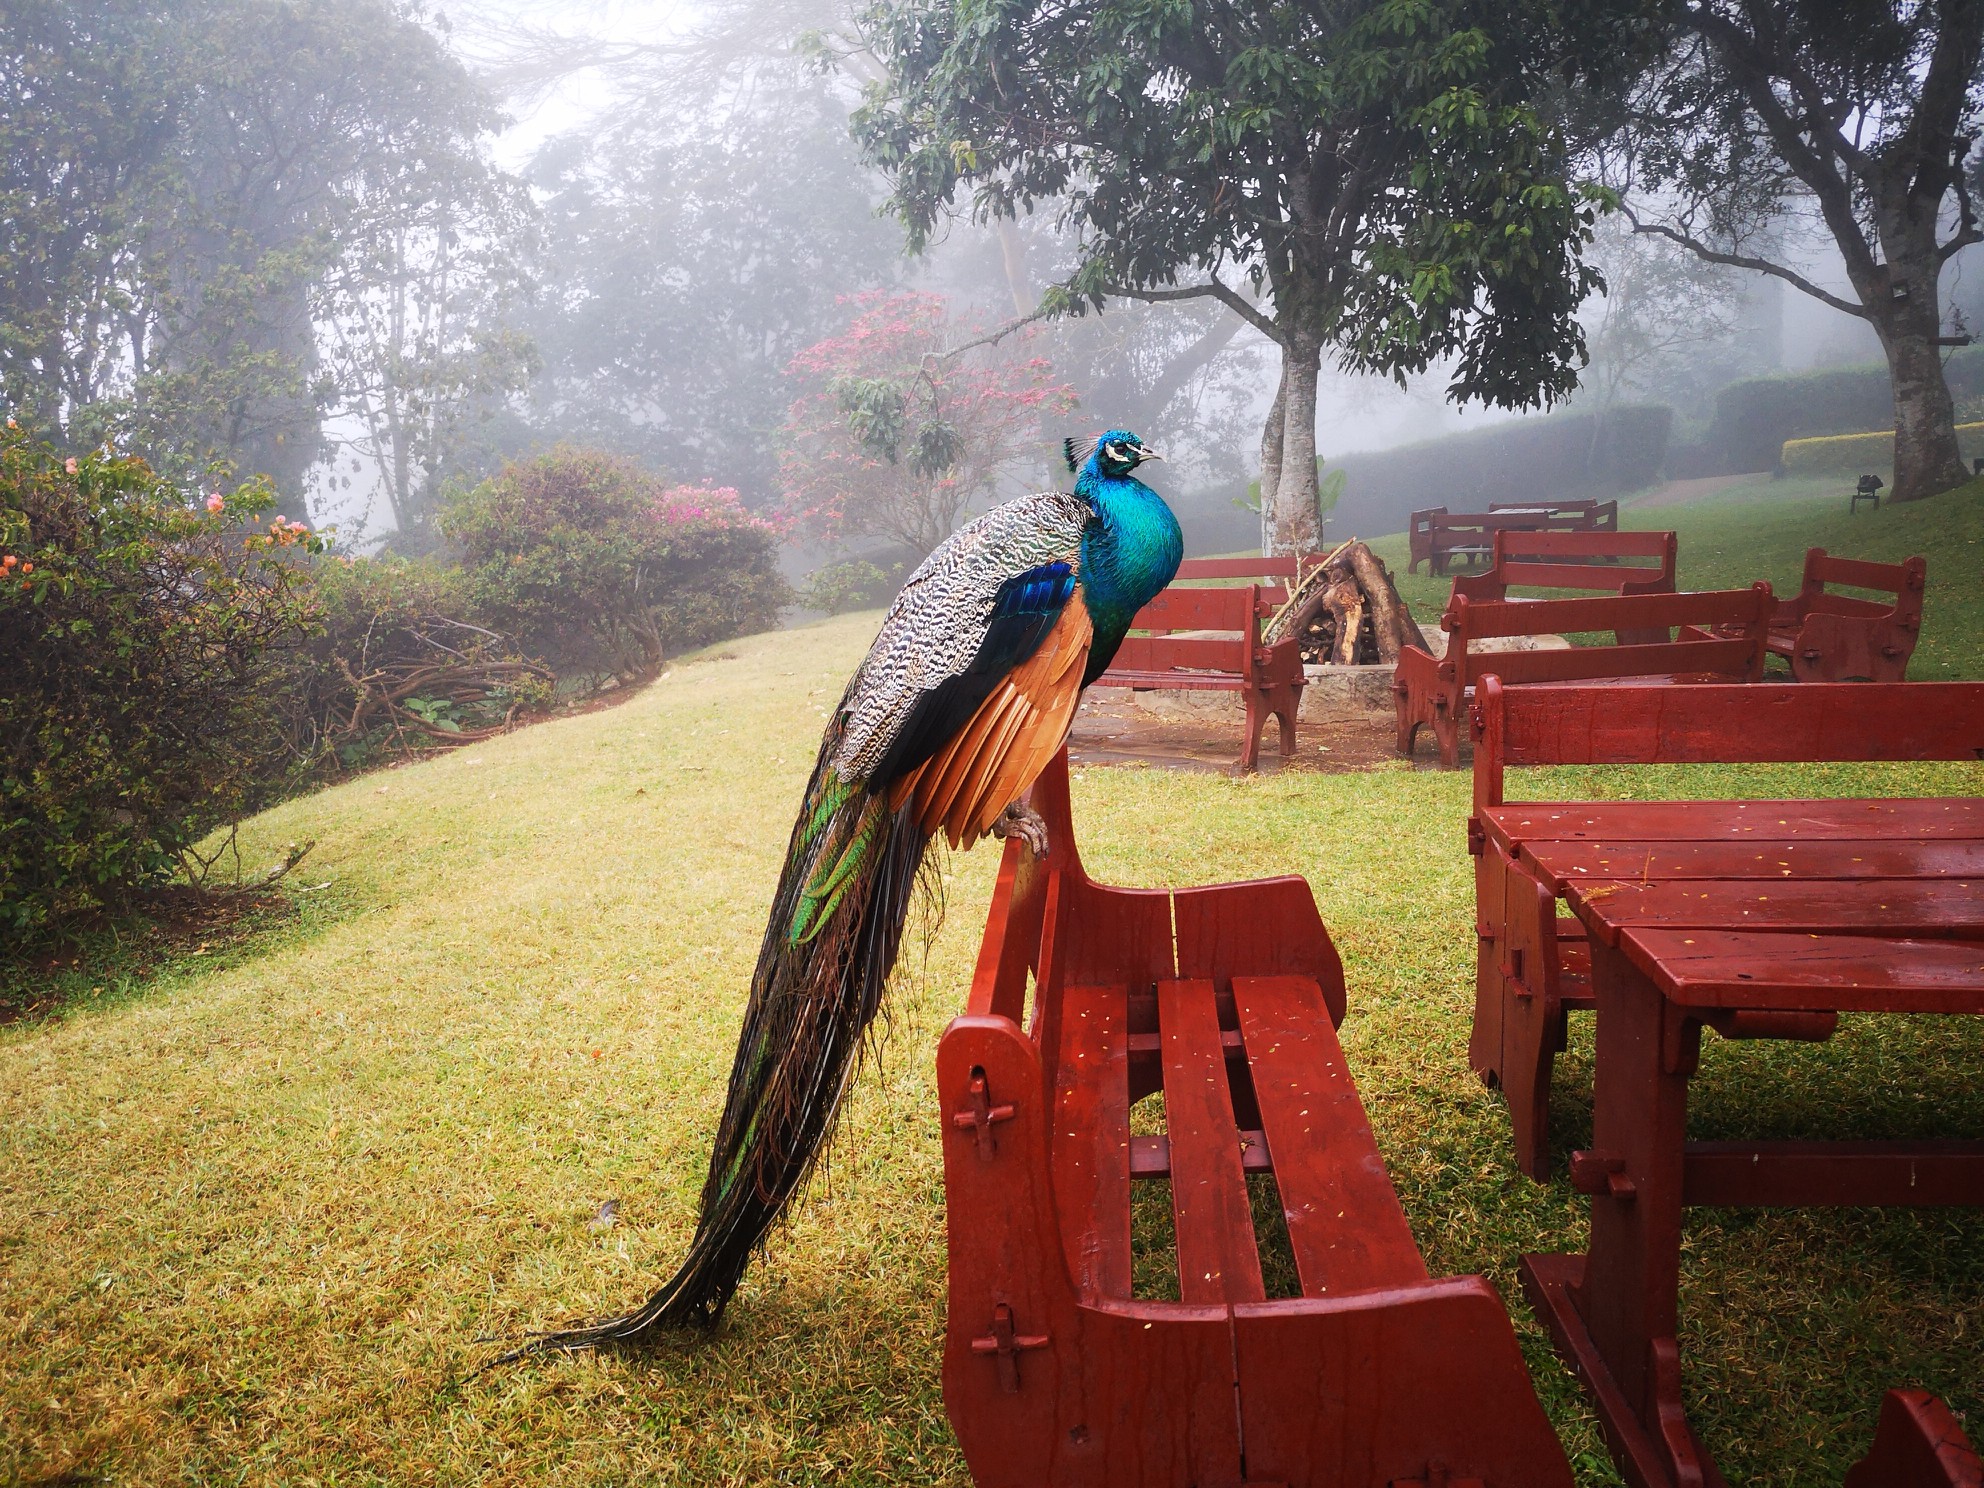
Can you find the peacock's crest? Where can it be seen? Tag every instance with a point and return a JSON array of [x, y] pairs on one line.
[[1077, 452]]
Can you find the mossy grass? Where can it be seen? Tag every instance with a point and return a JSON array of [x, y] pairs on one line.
[[260, 1221]]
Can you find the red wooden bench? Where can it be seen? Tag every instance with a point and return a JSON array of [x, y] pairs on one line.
[[1598, 562], [1268, 678], [1435, 535], [1533, 965], [1226, 999], [1917, 1445], [1428, 692], [1831, 637]]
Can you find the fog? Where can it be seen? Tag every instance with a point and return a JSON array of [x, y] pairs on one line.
[[653, 211]]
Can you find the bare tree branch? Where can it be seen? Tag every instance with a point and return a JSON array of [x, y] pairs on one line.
[[993, 338], [1215, 289], [1745, 261]]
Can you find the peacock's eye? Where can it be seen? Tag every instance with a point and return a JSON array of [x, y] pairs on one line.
[[1116, 452]]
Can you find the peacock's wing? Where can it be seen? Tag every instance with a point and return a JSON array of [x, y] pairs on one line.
[[972, 683]]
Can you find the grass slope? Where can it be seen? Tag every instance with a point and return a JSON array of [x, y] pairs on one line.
[[255, 1217], [1761, 529]]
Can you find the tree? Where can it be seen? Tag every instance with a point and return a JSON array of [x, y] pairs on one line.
[[893, 437], [1866, 113], [190, 193], [1665, 327], [1373, 169], [688, 262]]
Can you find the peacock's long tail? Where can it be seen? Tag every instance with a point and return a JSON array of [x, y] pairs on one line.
[[835, 927]]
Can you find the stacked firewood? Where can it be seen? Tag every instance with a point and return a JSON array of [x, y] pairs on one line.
[[1346, 612]]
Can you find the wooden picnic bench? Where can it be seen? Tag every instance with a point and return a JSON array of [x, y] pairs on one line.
[[1436, 536], [1533, 967], [1831, 637], [1757, 919], [1222, 651], [1722, 637], [1058, 1369]]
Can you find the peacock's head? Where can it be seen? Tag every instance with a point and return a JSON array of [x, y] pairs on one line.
[[1116, 453]]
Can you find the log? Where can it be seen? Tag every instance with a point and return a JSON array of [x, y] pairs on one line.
[[1345, 600], [1391, 620]]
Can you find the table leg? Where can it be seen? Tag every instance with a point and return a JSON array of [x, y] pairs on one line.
[[1614, 1312], [1484, 1046]]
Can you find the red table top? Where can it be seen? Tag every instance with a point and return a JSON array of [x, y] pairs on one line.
[[1847, 905]]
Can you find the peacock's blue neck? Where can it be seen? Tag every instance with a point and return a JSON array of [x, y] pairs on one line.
[[1129, 553]]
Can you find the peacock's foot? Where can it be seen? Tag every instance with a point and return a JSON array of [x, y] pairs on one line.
[[1022, 821]]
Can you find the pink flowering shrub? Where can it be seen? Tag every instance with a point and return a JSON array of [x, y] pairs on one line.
[[892, 438], [585, 559], [144, 641]]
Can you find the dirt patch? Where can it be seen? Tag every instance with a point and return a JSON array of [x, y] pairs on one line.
[[1114, 729], [156, 927]]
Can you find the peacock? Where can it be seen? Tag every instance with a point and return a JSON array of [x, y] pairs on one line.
[[966, 694]]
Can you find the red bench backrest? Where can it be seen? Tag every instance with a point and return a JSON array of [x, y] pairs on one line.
[[1236, 610], [1573, 560], [1753, 723], [1905, 581], [1741, 655]]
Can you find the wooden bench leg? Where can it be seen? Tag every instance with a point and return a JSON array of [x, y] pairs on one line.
[[1257, 719], [1446, 728], [1288, 706]]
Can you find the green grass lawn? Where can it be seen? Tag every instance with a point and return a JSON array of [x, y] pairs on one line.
[[1761, 528], [257, 1212]]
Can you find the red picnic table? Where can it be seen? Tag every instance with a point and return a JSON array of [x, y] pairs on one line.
[[1759, 919]]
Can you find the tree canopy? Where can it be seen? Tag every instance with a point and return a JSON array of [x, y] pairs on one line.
[[1860, 113], [1370, 178]]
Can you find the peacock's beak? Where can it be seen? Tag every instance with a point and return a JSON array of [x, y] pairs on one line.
[[1148, 454]]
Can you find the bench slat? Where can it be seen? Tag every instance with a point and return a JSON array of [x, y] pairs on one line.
[[1197, 609], [1218, 1260], [1857, 860], [1344, 1220], [1947, 910], [1160, 653], [1091, 1138], [1173, 681], [1597, 663]]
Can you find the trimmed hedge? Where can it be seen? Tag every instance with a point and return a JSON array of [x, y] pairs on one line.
[[1561, 456], [1755, 418], [1859, 453]]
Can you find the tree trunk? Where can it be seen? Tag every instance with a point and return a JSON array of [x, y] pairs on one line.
[[1295, 525], [1271, 460], [1926, 457], [1012, 254]]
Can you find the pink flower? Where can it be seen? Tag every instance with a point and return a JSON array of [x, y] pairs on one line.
[[70, 465], [214, 502]]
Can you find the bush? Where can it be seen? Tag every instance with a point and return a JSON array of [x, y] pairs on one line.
[[583, 558], [855, 584], [1860, 453], [400, 662], [143, 648]]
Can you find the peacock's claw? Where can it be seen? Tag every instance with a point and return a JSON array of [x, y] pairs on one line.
[[1022, 821]]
